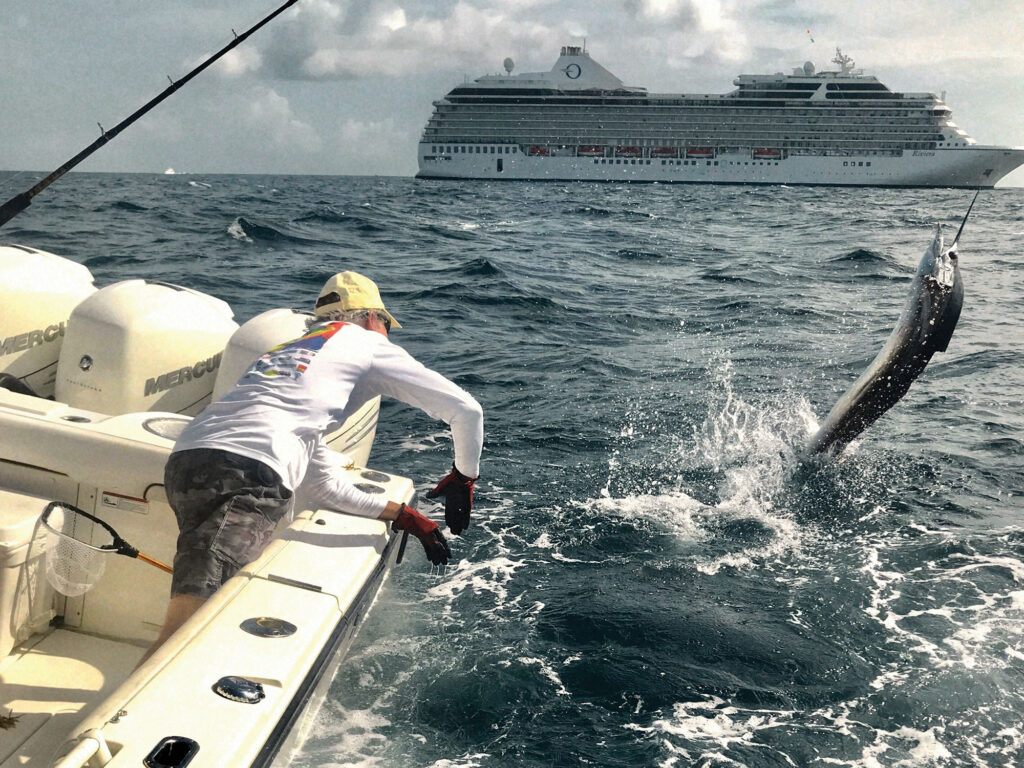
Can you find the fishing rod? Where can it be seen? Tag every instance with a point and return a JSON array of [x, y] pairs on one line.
[[21, 201]]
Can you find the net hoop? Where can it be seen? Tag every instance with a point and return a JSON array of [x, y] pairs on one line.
[[74, 566]]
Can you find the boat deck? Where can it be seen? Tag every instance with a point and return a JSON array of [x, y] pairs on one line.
[[51, 684]]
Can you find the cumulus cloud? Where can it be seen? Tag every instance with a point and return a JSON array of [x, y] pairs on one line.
[[345, 39], [331, 40], [660, 11], [697, 30], [906, 34], [666, 45], [368, 146], [270, 118], [238, 61]]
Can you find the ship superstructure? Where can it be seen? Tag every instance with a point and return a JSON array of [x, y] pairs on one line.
[[580, 122]]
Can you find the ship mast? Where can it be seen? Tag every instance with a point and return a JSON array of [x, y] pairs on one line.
[[845, 62]]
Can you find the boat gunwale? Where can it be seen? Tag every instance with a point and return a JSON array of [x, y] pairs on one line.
[[351, 620]]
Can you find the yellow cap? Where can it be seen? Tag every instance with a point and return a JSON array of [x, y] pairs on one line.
[[350, 290]]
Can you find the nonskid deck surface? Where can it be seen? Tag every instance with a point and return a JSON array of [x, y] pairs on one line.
[[51, 684]]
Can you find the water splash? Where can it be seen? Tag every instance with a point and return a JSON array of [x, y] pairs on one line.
[[751, 450], [755, 447], [237, 231]]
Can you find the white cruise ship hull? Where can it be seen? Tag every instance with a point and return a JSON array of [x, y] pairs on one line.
[[972, 167]]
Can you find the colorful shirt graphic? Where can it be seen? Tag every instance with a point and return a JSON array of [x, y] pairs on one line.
[[292, 358]]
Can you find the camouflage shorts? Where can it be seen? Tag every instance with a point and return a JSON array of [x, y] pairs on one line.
[[227, 508]]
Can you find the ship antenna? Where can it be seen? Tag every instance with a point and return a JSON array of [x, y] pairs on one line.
[[845, 62], [23, 200]]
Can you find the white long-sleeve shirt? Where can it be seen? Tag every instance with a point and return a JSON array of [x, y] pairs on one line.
[[286, 402]]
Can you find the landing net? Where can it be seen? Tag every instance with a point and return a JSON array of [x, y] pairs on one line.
[[75, 553]]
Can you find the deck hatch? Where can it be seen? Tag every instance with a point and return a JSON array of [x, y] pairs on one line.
[[172, 752]]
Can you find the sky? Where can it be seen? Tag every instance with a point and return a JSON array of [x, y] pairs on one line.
[[346, 87]]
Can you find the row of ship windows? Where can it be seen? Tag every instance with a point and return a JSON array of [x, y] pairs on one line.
[[687, 162], [701, 133], [695, 114], [851, 145], [677, 139], [683, 162], [660, 132], [475, 149], [728, 108], [846, 163], [777, 140], [718, 114], [619, 161], [695, 126], [520, 127], [853, 148]]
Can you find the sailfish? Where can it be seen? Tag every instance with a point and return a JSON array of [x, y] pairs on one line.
[[925, 326]]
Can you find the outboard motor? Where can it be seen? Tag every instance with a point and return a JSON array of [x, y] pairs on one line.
[[142, 345], [257, 336], [39, 290]]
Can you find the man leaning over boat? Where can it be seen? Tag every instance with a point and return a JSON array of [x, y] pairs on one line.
[[233, 473]]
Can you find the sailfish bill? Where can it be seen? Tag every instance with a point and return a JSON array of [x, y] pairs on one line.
[[925, 327]]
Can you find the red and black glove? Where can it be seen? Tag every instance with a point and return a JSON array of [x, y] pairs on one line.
[[427, 531], [457, 490]]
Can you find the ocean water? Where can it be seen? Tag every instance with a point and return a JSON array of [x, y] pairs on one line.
[[652, 577]]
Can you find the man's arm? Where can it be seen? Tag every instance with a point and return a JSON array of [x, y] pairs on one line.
[[397, 374], [325, 487]]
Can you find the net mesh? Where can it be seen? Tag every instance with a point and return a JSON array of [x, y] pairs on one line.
[[74, 562]]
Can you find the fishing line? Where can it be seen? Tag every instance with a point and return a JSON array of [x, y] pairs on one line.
[[15, 180]]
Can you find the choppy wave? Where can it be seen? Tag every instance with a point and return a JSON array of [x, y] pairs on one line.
[[862, 256], [251, 232], [127, 205], [353, 222]]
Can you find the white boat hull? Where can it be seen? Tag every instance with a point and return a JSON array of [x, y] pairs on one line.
[[972, 167], [71, 685]]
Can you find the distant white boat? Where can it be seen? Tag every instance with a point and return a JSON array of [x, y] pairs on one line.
[[169, 172]]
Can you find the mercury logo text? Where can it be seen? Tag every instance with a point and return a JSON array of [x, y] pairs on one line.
[[24, 341], [179, 376]]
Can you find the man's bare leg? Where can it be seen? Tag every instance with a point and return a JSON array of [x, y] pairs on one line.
[[179, 610]]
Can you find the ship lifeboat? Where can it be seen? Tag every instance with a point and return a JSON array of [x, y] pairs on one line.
[[704, 153], [629, 152], [538, 151], [590, 150], [764, 153], [664, 152]]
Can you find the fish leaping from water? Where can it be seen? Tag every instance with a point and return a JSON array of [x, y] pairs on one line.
[[925, 327]]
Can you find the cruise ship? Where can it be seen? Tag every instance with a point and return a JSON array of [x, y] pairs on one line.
[[580, 122]]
